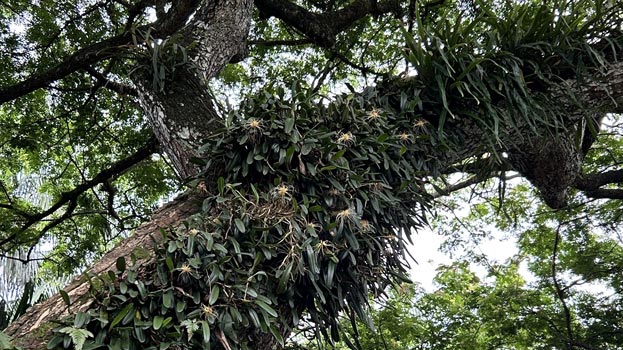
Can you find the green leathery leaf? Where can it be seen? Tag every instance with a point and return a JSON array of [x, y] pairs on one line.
[[167, 299], [80, 319], [140, 335], [121, 315], [240, 225], [221, 185], [123, 287], [330, 273], [214, 293], [289, 125], [275, 332], [158, 320], [65, 297], [284, 278], [170, 263], [55, 341], [266, 307], [205, 332], [121, 264], [254, 318]]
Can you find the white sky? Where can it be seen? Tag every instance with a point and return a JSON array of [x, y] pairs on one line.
[[426, 250]]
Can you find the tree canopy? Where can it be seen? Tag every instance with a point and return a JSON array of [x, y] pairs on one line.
[[559, 290], [310, 140]]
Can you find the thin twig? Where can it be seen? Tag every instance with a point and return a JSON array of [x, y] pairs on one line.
[[559, 292]]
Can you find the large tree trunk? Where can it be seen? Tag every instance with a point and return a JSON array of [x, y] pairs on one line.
[[179, 108]]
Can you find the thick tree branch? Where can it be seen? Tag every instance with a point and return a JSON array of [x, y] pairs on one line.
[[70, 198], [98, 52], [590, 182], [219, 38], [219, 31], [271, 43], [80, 59], [553, 163], [103, 81], [605, 193], [16, 210], [474, 180], [322, 28]]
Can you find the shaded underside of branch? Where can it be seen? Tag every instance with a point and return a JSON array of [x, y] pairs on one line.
[[322, 28]]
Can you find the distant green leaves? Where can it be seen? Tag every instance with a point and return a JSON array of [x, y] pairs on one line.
[[52, 158]]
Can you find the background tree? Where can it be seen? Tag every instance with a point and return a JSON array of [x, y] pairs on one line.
[[297, 188], [558, 291]]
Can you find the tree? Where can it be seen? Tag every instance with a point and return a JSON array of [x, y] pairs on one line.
[[572, 301], [300, 200]]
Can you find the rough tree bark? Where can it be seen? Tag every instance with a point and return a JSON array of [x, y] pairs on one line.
[[181, 114]]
